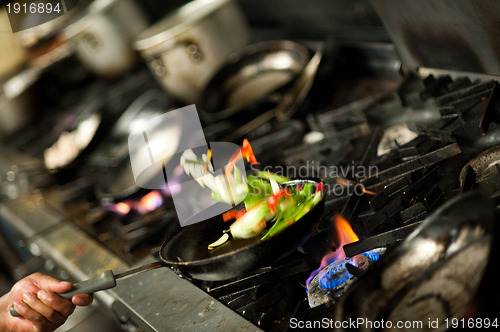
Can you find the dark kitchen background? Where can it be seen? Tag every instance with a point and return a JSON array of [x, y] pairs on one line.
[[408, 89]]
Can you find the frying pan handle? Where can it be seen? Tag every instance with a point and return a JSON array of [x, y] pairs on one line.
[[300, 88], [105, 280]]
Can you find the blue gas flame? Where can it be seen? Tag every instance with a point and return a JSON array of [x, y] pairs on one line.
[[336, 273], [372, 254]]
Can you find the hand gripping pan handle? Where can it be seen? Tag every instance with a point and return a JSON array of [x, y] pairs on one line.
[[105, 280]]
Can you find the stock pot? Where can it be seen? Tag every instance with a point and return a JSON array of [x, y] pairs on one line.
[[102, 35], [184, 49]]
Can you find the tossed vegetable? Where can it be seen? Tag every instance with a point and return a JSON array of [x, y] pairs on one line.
[[271, 207], [230, 187], [270, 203], [223, 239], [251, 223]]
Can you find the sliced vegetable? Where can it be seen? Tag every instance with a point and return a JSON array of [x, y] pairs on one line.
[[223, 239], [268, 203], [231, 189], [290, 215], [275, 199], [268, 176], [258, 191], [251, 223], [308, 190], [232, 214], [275, 186], [319, 187]]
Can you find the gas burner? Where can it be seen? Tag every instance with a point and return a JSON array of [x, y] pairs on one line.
[[130, 228], [336, 272], [132, 236], [331, 282], [434, 274]]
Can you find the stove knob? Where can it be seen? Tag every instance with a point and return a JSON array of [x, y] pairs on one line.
[[63, 275], [49, 265], [35, 249], [14, 184], [10, 190], [11, 176]]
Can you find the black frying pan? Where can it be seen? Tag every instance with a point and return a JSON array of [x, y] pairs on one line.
[[188, 250], [252, 80], [117, 180]]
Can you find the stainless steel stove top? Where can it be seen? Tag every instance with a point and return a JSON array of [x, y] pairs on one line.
[[155, 301]]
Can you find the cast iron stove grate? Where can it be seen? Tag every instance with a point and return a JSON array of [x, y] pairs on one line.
[[414, 177]]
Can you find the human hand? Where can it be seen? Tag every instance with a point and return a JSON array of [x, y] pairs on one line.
[[35, 299]]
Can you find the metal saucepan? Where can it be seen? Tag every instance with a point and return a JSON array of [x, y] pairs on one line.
[[102, 35], [99, 33], [184, 49], [74, 143], [434, 274], [35, 30], [245, 84], [188, 250]]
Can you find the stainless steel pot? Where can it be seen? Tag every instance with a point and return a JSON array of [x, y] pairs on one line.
[[184, 49], [102, 36]]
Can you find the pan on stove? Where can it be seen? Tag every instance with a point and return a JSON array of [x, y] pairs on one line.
[[117, 181], [76, 133], [250, 82], [188, 250]]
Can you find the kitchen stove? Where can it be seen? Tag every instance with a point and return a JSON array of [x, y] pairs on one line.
[[391, 151]]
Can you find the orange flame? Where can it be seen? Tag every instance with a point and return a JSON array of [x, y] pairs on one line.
[[121, 208], [344, 230], [246, 152], [151, 201], [147, 203], [345, 235]]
